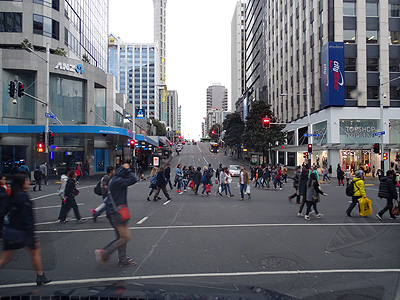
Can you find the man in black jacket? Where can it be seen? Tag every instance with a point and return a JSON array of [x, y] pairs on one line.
[[387, 190], [161, 184], [118, 190], [168, 175]]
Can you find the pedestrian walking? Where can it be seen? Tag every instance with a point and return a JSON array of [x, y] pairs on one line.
[[197, 180], [210, 173], [284, 173], [259, 177], [330, 171], [5, 193], [279, 178], [70, 193], [161, 185], [227, 182], [14, 169], [387, 190], [61, 191], [86, 170], [168, 175], [37, 175], [359, 191], [20, 232], [218, 172], [191, 176], [117, 198], [185, 178], [340, 175], [205, 180], [153, 182], [313, 169], [141, 173], [373, 171], [379, 174], [347, 175], [326, 177], [303, 189], [78, 172], [267, 177], [23, 169], [179, 178], [244, 180], [43, 169], [96, 212], [221, 181], [296, 184], [312, 196], [274, 177]]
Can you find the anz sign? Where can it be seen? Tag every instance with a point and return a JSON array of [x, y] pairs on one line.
[[70, 68]]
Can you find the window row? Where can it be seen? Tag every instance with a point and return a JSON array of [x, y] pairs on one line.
[[371, 36], [46, 26], [371, 9]]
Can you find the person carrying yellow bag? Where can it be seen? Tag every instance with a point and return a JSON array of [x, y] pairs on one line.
[[359, 191]]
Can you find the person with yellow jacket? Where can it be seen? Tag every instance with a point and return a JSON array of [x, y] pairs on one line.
[[359, 191]]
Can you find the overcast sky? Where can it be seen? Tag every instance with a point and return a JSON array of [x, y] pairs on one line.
[[198, 47]]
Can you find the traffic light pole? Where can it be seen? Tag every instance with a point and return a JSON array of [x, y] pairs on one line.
[[46, 129], [381, 119]]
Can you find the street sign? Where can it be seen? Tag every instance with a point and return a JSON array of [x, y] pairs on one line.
[[311, 135], [378, 133], [47, 115]]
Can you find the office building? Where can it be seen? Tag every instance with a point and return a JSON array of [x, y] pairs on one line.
[[238, 53], [341, 57], [135, 67], [172, 111], [217, 97], [179, 120]]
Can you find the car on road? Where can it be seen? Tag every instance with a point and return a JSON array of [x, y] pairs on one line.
[[234, 170], [195, 143]]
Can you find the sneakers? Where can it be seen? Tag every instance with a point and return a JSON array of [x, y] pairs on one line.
[[202, 195], [128, 263], [379, 217], [169, 199], [319, 216], [306, 218], [41, 279], [101, 257], [299, 214], [93, 212], [148, 198], [241, 199], [81, 221]]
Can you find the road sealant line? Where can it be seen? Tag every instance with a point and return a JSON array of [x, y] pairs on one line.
[[199, 275], [142, 220], [54, 194]]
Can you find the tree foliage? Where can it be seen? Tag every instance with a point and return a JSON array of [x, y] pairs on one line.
[[160, 127], [258, 138], [60, 51], [26, 44], [234, 129], [217, 128], [85, 58]]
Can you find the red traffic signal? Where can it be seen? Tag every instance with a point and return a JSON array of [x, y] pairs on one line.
[[266, 122], [305, 154], [132, 144], [39, 147], [213, 132], [309, 148], [21, 89], [376, 148], [385, 156]]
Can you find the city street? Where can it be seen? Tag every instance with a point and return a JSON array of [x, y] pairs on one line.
[[209, 240]]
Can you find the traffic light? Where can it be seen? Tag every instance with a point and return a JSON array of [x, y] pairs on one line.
[[385, 156], [51, 138], [376, 148], [266, 122], [39, 147], [11, 89], [305, 154], [213, 132], [41, 137], [309, 148], [132, 144], [21, 89]]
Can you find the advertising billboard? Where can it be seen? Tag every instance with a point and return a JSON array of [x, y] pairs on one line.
[[332, 74]]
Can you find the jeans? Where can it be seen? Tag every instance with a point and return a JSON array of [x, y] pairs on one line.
[[204, 188], [169, 182], [266, 181], [227, 189], [309, 204], [123, 237], [38, 183], [303, 202], [44, 177], [185, 183], [297, 195], [388, 207], [180, 183], [223, 188], [354, 202], [243, 188], [259, 182], [69, 203], [325, 177]]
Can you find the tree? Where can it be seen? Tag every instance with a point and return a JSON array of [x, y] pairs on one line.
[[258, 138], [160, 127], [234, 129], [217, 129], [26, 44], [85, 58], [60, 51]]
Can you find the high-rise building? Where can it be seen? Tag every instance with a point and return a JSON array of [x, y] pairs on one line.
[[135, 67], [217, 97], [180, 119], [343, 59], [172, 109], [238, 53]]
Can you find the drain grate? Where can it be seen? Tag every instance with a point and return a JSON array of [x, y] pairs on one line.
[[276, 262]]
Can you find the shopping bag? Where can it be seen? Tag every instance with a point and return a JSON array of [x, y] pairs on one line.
[[365, 206], [191, 183], [208, 188], [220, 189], [216, 181], [395, 209], [248, 190]]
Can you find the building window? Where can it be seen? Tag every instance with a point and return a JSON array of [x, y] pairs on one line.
[[373, 92], [395, 92], [394, 37], [349, 36], [394, 10], [55, 4], [348, 90], [350, 64], [372, 37], [10, 22], [371, 9], [349, 9], [46, 26], [394, 65], [373, 64]]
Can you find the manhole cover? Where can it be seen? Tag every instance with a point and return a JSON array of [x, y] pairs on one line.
[[278, 263], [355, 254]]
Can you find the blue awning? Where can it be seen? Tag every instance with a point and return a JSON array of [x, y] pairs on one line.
[[142, 138]]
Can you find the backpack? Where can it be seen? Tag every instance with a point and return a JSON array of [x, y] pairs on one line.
[[350, 189], [211, 171], [153, 180], [204, 178], [97, 189]]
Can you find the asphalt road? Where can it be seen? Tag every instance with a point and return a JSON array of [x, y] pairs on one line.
[[208, 240]]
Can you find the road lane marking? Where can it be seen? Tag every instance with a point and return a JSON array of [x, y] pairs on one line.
[[199, 275], [219, 226], [165, 203], [69, 220], [54, 206], [142, 220], [53, 194]]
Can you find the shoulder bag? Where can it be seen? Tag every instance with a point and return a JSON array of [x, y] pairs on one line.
[[121, 210]]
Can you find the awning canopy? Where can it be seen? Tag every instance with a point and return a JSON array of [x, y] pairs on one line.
[[142, 138]]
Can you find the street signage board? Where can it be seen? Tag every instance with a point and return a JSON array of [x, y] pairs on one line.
[[378, 133], [48, 115], [310, 135], [156, 161]]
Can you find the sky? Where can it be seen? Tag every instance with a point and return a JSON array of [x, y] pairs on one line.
[[198, 51]]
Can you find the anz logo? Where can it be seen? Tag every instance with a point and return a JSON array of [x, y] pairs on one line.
[[70, 68]]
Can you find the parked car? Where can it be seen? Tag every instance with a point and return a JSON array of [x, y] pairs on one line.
[[234, 170]]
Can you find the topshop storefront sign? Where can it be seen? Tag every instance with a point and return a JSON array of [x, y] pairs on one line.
[[70, 68]]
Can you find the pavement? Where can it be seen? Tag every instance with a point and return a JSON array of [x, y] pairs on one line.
[[209, 240]]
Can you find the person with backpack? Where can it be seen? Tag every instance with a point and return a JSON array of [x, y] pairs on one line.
[[38, 179], [161, 185], [356, 188], [197, 180], [296, 183], [222, 185], [96, 212], [153, 183], [312, 196], [387, 190], [61, 190]]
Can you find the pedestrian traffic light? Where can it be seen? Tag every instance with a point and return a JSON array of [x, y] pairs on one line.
[[39, 147], [309, 148], [132, 144], [41, 137], [11, 89], [266, 122], [305, 154], [51, 138], [376, 148], [21, 89], [385, 156]]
